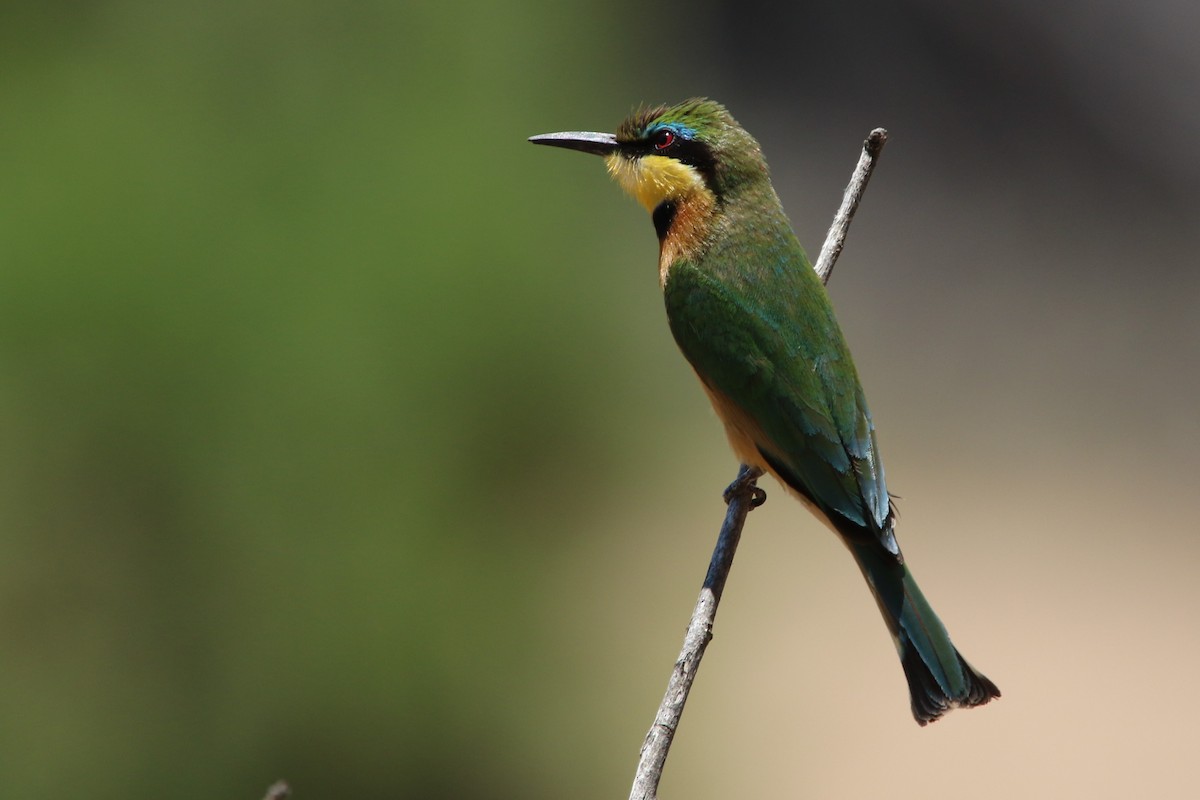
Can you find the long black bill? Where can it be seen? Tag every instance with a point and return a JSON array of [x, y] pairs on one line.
[[600, 144]]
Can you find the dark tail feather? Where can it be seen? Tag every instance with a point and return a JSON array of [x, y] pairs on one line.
[[930, 701], [939, 678]]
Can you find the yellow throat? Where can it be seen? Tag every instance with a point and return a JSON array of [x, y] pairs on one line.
[[652, 179]]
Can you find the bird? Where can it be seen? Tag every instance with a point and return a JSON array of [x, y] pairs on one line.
[[753, 319]]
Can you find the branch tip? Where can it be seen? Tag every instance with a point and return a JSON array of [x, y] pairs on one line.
[[279, 790], [835, 240]]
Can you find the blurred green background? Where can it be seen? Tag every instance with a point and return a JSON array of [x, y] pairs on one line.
[[342, 438]]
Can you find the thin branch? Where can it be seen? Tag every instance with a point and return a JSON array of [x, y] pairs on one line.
[[279, 790], [836, 238], [742, 496]]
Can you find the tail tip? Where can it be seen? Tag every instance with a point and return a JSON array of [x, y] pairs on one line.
[[930, 702]]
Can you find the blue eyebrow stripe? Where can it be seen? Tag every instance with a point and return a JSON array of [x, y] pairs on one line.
[[678, 129]]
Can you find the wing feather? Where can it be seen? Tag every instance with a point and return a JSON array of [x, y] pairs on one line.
[[779, 357]]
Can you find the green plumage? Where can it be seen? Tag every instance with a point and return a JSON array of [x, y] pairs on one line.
[[753, 319], [755, 322]]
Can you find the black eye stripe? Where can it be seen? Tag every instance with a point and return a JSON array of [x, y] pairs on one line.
[[689, 151]]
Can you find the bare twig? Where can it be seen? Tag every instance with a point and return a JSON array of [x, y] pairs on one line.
[[279, 790], [742, 496], [836, 237]]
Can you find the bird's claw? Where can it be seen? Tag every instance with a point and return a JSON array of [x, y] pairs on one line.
[[744, 484]]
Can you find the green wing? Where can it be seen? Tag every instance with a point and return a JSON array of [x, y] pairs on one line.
[[769, 343]]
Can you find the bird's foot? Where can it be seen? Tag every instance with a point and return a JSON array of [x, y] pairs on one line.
[[744, 485]]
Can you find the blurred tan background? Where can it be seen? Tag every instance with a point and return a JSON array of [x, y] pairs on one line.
[[342, 437]]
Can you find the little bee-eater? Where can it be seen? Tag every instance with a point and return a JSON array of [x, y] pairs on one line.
[[754, 321]]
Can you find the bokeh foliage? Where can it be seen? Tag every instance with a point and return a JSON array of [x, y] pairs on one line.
[[284, 382]]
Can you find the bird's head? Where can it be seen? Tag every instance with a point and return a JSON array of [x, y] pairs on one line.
[[671, 154]]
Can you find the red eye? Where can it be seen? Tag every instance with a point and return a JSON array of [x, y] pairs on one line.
[[663, 140]]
